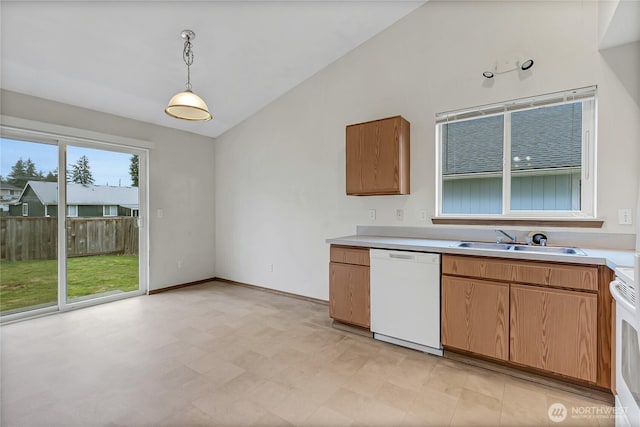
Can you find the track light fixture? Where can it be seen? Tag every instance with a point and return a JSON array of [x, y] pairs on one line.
[[507, 65], [526, 64]]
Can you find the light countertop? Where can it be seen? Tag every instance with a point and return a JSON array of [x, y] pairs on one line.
[[609, 257]]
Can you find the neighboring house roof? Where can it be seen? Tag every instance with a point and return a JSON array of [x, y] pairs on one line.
[[7, 186], [47, 192], [550, 137], [79, 194]]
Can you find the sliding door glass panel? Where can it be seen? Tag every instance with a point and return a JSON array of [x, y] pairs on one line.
[[101, 226], [28, 226]]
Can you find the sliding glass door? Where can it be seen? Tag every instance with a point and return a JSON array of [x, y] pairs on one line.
[[28, 225], [102, 219], [72, 238]]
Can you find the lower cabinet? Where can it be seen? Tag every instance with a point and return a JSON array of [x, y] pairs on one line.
[[475, 316], [349, 300], [554, 330], [551, 317], [349, 294]]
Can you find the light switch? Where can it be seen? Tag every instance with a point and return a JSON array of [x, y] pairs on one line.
[[400, 214], [624, 217], [159, 213], [372, 214]]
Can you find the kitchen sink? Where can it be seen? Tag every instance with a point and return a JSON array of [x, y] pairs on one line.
[[549, 250], [482, 245], [521, 248]]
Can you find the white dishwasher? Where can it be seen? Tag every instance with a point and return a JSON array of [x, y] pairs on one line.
[[405, 299]]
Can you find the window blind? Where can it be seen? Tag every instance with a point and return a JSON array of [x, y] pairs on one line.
[[518, 104]]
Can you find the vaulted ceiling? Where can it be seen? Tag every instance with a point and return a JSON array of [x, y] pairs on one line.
[[125, 57]]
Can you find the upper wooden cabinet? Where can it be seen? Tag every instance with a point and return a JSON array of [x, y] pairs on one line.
[[377, 155]]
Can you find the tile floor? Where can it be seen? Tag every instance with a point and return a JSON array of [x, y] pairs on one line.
[[226, 355]]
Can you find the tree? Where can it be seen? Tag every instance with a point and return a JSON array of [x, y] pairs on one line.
[[30, 169], [80, 172], [133, 170], [18, 174], [52, 176], [25, 170]]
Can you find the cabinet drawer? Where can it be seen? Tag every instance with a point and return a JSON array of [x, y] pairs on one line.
[[537, 273], [349, 255]]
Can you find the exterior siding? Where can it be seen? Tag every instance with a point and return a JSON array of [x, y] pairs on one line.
[[36, 208], [124, 211], [546, 192], [472, 195], [89, 210], [484, 195]]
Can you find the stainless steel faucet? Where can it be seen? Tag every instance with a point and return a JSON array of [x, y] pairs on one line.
[[510, 237]]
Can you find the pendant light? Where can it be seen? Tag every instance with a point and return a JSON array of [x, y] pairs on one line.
[[187, 105]]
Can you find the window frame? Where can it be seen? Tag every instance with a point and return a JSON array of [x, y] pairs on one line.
[[106, 214], [588, 98], [69, 213], [25, 209]]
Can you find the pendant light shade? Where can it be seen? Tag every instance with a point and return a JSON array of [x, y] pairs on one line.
[[187, 105]]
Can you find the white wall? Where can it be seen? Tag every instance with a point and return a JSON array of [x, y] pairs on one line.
[[279, 176], [181, 183]]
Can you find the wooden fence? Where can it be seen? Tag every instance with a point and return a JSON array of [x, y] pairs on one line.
[[23, 238]]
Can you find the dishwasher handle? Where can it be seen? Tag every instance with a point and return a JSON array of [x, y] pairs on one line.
[[401, 256], [404, 256]]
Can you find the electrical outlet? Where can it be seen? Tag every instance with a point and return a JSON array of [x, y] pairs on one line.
[[270, 268], [400, 214], [180, 264], [159, 213], [422, 214], [624, 217], [372, 214]]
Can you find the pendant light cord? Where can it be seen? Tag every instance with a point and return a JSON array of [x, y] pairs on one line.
[[187, 56]]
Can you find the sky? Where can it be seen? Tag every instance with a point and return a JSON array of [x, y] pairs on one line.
[[107, 167]]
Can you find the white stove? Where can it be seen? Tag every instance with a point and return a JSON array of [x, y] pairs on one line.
[[626, 274], [626, 293]]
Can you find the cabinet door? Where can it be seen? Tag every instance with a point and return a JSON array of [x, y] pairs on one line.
[[380, 156], [475, 316], [354, 155], [377, 157], [349, 294], [554, 330]]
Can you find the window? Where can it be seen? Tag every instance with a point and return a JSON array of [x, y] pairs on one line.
[[524, 158], [25, 209], [110, 210], [72, 211]]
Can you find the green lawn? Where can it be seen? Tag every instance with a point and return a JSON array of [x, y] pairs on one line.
[[32, 283]]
